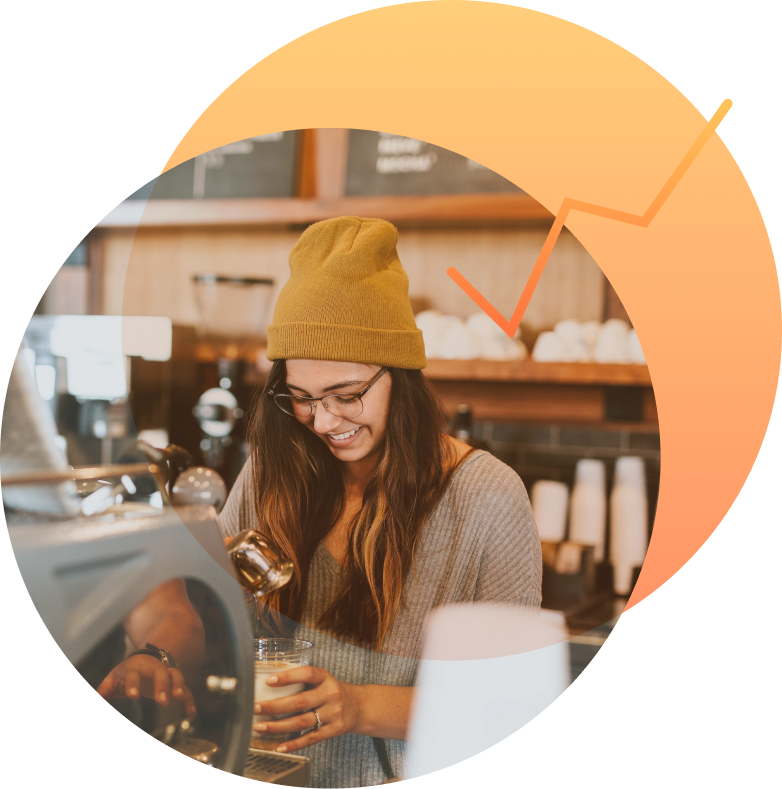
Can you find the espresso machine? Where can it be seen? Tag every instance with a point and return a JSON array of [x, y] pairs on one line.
[[232, 310], [90, 548]]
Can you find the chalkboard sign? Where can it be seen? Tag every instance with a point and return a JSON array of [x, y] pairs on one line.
[[387, 164], [262, 166]]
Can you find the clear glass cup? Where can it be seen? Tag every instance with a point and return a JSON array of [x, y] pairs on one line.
[[273, 655], [259, 567]]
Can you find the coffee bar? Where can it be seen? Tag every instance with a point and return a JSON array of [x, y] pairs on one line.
[[127, 422]]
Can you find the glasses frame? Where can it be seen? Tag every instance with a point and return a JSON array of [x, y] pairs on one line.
[[312, 400]]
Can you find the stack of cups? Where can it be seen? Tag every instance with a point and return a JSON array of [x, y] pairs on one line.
[[588, 506], [549, 501], [629, 515]]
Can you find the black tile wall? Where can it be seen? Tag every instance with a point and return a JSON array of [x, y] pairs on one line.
[[552, 451], [645, 441], [518, 432], [585, 437]]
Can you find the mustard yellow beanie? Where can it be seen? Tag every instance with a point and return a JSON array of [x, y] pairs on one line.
[[346, 299]]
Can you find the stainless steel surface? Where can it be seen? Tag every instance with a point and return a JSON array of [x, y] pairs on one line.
[[225, 686], [85, 575], [277, 768]]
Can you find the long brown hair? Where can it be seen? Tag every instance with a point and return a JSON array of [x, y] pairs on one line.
[[300, 493]]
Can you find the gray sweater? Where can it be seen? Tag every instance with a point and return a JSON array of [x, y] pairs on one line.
[[480, 543]]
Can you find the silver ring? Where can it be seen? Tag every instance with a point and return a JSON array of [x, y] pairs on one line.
[[318, 724]]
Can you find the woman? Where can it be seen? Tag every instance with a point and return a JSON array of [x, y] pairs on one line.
[[384, 516]]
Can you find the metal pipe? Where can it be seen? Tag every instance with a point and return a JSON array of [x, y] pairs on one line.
[[86, 473]]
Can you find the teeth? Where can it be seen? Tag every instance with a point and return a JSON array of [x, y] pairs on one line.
[[343, 436]]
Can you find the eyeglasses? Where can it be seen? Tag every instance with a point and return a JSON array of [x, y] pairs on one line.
[[344, 406]]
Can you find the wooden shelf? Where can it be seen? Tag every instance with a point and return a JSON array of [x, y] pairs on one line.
[[498, 209], [527, 370]]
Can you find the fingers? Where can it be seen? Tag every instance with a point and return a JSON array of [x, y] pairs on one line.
[[309, 675], [326, 732], [132, 684], [111, 686], [300, 702], [177, 683], [295, 723], [189, 702], [161, 679]]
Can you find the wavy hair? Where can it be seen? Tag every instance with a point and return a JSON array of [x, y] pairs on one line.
[[299, 493]]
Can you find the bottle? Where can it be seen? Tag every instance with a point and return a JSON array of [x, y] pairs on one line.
[[462, 423], [462, 428]]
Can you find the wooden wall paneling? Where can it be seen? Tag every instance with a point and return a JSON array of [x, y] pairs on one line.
[[306, 173], [117, 247], [152, 273], [96, 259], [505, 210], [524, 402], [498, 262], [612, 304], [331, 161]]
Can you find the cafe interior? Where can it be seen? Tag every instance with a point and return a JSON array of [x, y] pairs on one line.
[[125, 423]]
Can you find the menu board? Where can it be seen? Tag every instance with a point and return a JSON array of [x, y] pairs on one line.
[[387, 164], [263, 166]]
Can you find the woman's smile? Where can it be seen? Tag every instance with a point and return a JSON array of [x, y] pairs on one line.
[[345, 438]]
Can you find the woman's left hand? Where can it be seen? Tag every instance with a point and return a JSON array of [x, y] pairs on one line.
[[337, 703]]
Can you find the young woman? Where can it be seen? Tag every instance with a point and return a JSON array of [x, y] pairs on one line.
[[384, 516]]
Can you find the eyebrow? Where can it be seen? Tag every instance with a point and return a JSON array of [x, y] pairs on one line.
[[329, 388]]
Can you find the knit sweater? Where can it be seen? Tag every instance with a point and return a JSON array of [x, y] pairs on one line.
[[480, 543]]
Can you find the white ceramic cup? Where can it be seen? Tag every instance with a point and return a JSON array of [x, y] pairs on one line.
[[629, 521], [549, 501], [588, 506]]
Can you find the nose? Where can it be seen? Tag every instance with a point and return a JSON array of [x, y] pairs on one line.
[[325, 421]]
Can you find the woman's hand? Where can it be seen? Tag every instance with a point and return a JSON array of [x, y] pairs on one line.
[[144, 675], [338, 705]]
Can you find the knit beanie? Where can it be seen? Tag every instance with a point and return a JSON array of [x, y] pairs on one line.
[[346, 299]]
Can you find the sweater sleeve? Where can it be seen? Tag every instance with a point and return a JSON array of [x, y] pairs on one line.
[[510, 568], [238, 513]]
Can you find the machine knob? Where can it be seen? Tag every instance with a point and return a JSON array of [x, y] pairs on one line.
[[225, 686], [199, 485]]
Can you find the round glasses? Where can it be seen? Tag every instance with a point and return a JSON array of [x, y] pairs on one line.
[[344, 406]]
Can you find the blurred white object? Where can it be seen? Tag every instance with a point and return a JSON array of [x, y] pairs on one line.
[[569, 331], [457, 341], [588, 506], [502, 664], [30, 443], [635, 353], [481, 325], [448, 337], [428, 322], [549, 348], [199, 485], [502, 349], [611, 345], [576, 352], [629, 521], [549, 501], [157, 438], [589, 332]]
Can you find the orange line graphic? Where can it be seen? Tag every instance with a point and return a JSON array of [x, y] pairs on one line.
[[568, 205]]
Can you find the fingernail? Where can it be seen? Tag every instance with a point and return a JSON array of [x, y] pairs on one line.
[[272, 681], [132, 693], [282, 749], [260, 727], [178, 692], [162, 698]]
